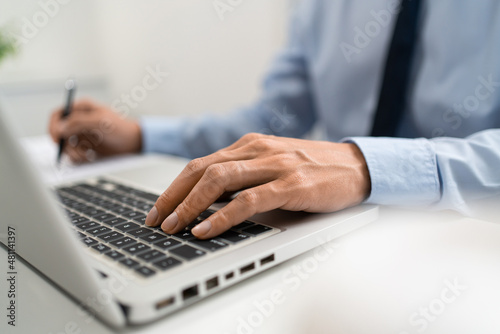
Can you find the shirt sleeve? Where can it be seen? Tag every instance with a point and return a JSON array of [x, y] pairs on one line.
[[445, 173], [284, 109]]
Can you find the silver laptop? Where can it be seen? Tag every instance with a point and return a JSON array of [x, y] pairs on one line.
[[89, 238]]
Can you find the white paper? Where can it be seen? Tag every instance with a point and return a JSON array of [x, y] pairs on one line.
[[43, 152]]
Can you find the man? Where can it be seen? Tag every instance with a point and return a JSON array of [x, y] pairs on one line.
[[334, 72]]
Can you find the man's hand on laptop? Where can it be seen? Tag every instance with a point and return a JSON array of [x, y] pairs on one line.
[[94, 130], [271, 172]]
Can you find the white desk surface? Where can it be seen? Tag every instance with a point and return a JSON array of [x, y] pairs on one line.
[[406, 273]]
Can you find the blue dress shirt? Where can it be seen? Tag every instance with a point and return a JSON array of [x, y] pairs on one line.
[[329, 74]]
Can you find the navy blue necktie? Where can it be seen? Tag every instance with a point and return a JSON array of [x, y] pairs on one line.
[[393, 93]]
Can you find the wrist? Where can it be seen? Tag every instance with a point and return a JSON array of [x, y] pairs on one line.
[[361, 175]]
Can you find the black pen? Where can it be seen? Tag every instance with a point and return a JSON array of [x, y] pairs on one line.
[[70, 87]]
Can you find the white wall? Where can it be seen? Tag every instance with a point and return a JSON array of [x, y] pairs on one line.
[[213, 64]]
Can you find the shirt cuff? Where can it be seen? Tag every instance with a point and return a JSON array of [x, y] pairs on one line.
[[402, 171]]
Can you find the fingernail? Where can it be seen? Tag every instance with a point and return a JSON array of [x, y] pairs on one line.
[[170, 222], [202, 228], [152, 217]]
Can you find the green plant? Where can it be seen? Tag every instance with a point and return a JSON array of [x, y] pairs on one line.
[[7, 46]]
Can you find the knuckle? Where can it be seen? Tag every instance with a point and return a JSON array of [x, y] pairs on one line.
[[216, 173], [163, 200], [249, 199], [262, 144], [297, 178], [195, 166], [184, 209], [222, 219], [251, 137]]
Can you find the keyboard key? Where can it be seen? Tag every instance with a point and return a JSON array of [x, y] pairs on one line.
[[132, 214], [194, 223], [120, 209], [99, 230], [145, 271], [93, 212], [114, 221], [211, 244], [147, 196], [256, 229], [115, 255], [106, 204], [136, 249], [166, 244], [187, 252], [151, 238], [140, 219], [127, 227], [81, 235], [207, 213], [143, 206], [113, 235], [120, 243], [101, 248], [71, 214], [79, 219], [129, 262], [87, 225], [167, 263], [88, 241], [233, 236], [104, 216], [184, 235], [140, 232], [243, 225], [151, 255]]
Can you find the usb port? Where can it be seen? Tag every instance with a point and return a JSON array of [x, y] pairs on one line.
[[267, 259], [190, 292], [165, 303], [247, 268], [212, 283]]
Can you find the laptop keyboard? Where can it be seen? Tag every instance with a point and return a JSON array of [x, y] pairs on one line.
[[109, 218]]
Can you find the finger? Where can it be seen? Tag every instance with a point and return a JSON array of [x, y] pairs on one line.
[[54, 125], [217, 180], [79, 149], [249, 202], [186, 180], [75, 155], [80, 126]]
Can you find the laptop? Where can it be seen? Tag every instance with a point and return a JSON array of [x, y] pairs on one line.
[[88, 237]]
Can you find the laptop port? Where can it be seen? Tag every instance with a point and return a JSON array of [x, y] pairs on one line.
[[229, 276], [190, 292], [165, 303], [247, 268], [267, 259], [212, 283]]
